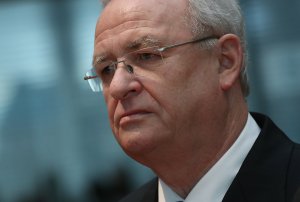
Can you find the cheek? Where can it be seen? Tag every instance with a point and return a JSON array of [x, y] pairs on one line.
[[111, 108], [187, 87]]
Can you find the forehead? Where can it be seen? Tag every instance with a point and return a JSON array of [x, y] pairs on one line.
[[120, 15]]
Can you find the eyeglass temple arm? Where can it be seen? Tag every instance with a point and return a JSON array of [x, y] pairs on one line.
[[193, 41], [167, 47], [89, 77]]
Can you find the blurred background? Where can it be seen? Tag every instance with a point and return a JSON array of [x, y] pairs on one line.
[[55, 141]]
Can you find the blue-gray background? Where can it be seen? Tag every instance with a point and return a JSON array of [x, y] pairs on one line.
[[55, 141]]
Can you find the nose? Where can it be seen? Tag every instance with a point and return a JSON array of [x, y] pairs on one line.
[[124, 83]]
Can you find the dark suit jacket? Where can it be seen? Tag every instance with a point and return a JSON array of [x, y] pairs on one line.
[[270, 172]]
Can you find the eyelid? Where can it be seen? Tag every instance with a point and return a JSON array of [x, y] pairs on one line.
[[102, 66], [147, 49]]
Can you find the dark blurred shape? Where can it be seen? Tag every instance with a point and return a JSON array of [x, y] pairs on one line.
[[47, 190], [110, 190], [297, 196]]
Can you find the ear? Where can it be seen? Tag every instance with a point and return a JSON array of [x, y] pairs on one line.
[[230, 55]]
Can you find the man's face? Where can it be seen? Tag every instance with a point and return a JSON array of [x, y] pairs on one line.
[[171, 108]]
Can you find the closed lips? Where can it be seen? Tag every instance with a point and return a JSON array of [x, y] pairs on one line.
[[133, 114]]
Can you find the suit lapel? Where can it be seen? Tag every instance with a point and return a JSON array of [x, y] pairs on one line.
[[262, 175], [146, 193], [151, 192]]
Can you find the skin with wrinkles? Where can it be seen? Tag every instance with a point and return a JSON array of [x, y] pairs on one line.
[[183, 116]]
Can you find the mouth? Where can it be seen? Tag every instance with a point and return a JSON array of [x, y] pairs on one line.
[[133, 116]]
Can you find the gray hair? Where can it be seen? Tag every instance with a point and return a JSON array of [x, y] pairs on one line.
[[217, 17]]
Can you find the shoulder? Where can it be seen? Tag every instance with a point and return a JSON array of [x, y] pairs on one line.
[[293, 174], [281, 154], [146, 193], [273, 140], [271, 135]]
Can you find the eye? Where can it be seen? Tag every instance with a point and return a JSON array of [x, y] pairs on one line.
[[147, 56], [104, 68], [108, 70]]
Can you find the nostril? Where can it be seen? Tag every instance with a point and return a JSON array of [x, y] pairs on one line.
[[123, 84], [129, 68]]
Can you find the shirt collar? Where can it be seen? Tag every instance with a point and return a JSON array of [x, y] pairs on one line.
[[166, 194], [214, 184]]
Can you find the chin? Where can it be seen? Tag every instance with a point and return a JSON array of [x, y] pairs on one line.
[[137, 144]]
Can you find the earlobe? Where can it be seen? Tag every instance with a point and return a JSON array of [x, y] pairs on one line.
[[230, 60]]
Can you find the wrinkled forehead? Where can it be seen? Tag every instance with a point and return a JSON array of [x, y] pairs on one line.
[[118, 12]]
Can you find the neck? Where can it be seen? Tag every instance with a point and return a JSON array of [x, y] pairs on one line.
[[186, 167]]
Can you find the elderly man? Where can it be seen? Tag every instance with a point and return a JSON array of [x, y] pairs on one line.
[[173, 75]]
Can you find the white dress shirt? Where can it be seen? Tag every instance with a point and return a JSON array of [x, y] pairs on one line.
[[215, 183]]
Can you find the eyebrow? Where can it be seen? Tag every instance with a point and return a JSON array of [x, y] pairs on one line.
[[98, 58], [143, 42]]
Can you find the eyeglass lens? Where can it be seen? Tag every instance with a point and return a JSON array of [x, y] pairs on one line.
[[139, 63]]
